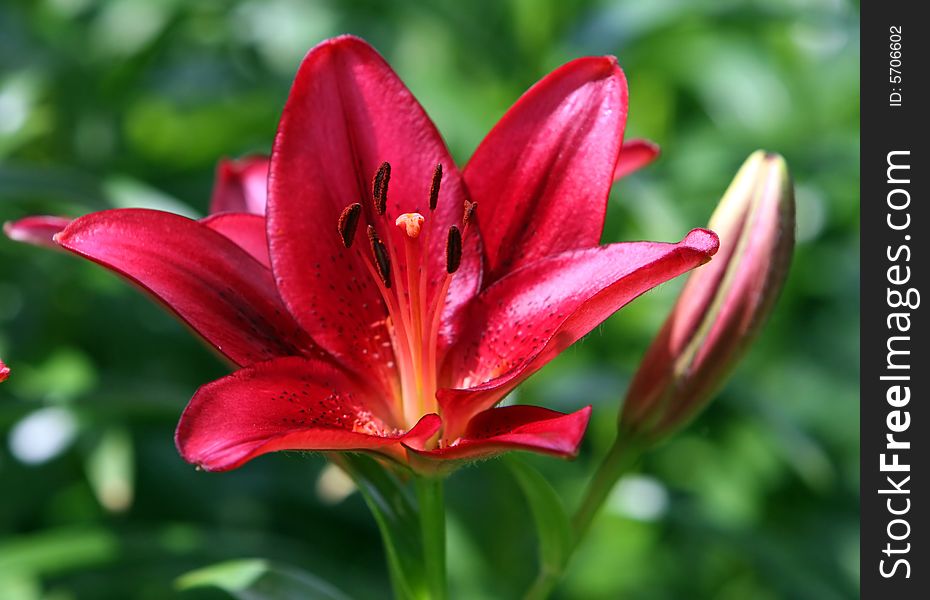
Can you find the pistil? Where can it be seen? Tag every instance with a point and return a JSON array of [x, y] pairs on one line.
[[411, 224]]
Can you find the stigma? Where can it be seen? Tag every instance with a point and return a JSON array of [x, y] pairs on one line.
[[411, 224]]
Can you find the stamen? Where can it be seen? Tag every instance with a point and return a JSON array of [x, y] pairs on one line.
[[381, 257], [348, 223], [453, 250], [379, 187], [434, 187], [470, 208], [411, 223]]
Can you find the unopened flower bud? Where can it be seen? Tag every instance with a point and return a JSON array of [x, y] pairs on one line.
[[722, 305]]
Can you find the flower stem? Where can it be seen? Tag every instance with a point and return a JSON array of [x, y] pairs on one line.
[[433, 528], [543, 585], [622, 456]]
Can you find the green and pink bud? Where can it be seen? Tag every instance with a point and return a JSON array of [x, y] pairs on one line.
[[723, 304]]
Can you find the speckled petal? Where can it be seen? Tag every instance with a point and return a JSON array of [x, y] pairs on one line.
[[499, 430], [526, 319], [541, 177], [346, 113], [211, 283], [288, 404]]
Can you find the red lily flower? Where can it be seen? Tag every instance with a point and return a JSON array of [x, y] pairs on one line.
[[634, 155], [38, 230], [392, 317], [241, 186], [239, 191], [4, 371]]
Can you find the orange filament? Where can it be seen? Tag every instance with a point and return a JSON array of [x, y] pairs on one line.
[[414, 315]]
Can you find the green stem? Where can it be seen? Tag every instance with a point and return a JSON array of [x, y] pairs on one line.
[[433, 529], [543, 586], [621, 457]]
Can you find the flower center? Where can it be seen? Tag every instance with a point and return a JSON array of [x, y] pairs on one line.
[[398, 262]]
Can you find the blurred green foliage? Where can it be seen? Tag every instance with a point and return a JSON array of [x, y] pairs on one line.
[[131, 102]]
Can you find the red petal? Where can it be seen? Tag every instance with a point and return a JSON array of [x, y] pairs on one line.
[[38, 230], [523, 321], [518, 427], [634, 155], [4, 371], [286, 404], [247, 230], [346, 113], [208, 281], [541, 177], [241, 186]]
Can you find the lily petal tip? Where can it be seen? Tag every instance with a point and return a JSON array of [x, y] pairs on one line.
[[777, 162], [583, 417], [767, 157], [610, 66], [38, 230], [702, 240], [345, 41]]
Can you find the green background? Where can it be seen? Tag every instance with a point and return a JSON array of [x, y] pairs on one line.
[[131, 103]]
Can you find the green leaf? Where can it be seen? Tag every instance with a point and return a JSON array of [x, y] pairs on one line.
[[553, 527], [258, 579]]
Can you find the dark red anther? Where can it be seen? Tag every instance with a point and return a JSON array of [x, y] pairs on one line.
[[382, 262], [453, 250], [434, 187], [470, 208], [348, 223], [379, 187]]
